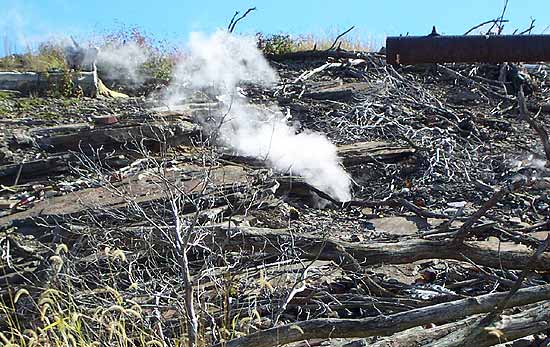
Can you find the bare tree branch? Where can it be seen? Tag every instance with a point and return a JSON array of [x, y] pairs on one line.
[[339, 36], [234, 21], [485, 23]]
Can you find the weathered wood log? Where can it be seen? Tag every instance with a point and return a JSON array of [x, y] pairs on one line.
[[141, 190], [334, 94], [351, 155], [173, 133], [337, 92], [47, 167], [375, 253], [386, 325], [368, 152], [508, 328], [35, 168]]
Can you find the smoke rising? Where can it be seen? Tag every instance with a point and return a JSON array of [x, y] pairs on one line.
[[123, 61], [116, 61], [221, 63]]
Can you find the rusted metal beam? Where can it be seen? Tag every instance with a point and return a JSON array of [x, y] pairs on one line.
[[467, 49]]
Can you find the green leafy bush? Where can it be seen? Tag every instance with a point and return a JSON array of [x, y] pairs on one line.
[[275, 44]]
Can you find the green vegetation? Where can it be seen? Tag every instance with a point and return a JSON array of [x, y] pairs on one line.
[[5, 94], [276, 44], [66, 87], [283, 43], [26, 104], [48, 57], [161, 56]]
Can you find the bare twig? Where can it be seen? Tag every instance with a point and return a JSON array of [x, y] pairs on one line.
[[234, 21], [464, 230], [499, 22], [16, 182], [339, 36], [517, 285], [530, 28], [485, 23]]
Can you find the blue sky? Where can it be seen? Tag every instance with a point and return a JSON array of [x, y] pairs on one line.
[[26, 22]]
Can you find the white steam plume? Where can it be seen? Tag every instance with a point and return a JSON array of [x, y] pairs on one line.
[[123, 61], [222, 62]]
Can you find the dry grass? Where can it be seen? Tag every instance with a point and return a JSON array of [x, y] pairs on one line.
[[282, 43], [62, 322], [353, 43], [49, 56]]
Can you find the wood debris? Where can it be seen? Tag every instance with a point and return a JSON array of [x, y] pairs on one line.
[[450, 211]]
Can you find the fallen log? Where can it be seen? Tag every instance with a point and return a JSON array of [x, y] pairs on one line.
[[508, 328], [140, 189], [48, 167], [386, 325], [351, 155], [368, 152], [376, 253], [174, 133], [36, 168], [334, 94], [338, 92]]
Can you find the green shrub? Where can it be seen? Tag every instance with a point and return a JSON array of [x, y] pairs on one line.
[[275, 44]]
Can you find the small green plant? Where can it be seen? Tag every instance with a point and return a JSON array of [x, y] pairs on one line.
[[159, 67], [275, 44], [26, 104], [5, 95], [64, 86]]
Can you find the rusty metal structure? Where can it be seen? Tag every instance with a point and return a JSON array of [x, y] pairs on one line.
[[467, 49]]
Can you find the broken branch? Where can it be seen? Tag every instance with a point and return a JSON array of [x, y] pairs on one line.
[[386, 325], [339, 36], [234, 21], [373, 253]]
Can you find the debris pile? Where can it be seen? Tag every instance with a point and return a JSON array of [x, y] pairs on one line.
[[125, 210]]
